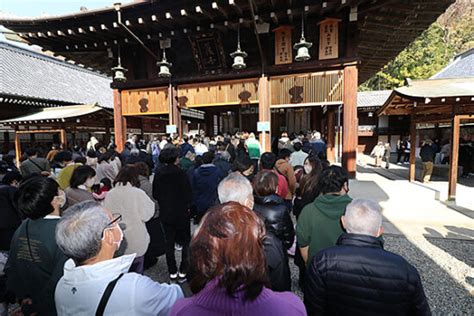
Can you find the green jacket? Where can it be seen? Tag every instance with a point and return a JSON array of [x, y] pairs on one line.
[[185, 163], [319, 224]]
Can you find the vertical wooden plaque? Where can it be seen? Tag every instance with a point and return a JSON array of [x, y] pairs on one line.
[[283, 49], [329, 39]]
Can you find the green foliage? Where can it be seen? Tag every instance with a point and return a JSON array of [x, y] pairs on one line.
[[427, 55]]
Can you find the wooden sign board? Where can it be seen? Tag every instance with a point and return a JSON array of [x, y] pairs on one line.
[[283, 50], [329, 39]]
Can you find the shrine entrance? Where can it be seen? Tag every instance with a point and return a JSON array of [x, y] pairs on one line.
[[292, 103]]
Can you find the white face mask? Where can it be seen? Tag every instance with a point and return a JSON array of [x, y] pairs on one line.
[[119, 242], [89, 182], [308, 169], [61, 198]]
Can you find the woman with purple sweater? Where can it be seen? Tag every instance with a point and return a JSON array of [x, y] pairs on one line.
[[229, 274]]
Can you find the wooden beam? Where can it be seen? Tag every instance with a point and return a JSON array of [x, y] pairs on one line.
[[349, 128], [309, 66], [264, 114], [454, 158], [412, 168], [119, 122], [215, 6]]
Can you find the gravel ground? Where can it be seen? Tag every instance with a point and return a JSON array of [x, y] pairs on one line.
[[446, 296]]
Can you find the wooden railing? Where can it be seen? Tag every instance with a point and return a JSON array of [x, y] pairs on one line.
[[321, 88], [145, 101], [222, 93]]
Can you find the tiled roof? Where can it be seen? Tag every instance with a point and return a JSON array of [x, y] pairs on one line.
[[29, 74], [461, 67], [372, 98], [438, 88], [57, 113]]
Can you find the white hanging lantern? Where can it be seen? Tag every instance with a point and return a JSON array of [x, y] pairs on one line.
[[302, 47], [119, 74], [119, 71], [164, 67], [239, 55]]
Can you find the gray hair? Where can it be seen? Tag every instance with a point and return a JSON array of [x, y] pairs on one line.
[[79, 231], [363, 217], [234, 188]]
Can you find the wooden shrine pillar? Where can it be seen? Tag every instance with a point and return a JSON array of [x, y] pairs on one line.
[[173, 114], [17, 148], [331, 136], [264, 114], [412, 168], [120, 123], [63, 137], [350, 124], [454, 158]]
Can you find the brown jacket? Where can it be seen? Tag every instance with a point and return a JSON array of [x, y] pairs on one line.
[[284, 167]]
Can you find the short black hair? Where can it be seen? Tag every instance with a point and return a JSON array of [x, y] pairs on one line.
[[91, 154], [284, 153], [242, 163], [11, 176], [333, 179], [104, 157], [35, 196], [169, 155], [298, 146], [31, 151], [81, 160], [64, 155], [80, 175], [208, 157], [267, 160]]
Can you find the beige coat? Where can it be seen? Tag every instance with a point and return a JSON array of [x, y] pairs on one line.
[[136, 209]]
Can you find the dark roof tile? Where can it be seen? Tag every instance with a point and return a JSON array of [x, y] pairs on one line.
[[29, 74]]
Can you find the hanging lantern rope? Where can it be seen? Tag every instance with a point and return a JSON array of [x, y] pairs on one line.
[[302, 47], [238, 55], [119, 71]]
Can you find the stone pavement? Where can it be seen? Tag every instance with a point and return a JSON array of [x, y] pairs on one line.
[[435, 238]]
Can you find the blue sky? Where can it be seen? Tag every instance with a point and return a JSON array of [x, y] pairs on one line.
[[36, 8]]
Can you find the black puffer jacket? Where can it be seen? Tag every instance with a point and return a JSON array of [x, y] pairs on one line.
[[278, 268], [358, 277], [276, 216]]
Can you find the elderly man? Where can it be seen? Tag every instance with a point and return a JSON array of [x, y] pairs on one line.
[[358, 277], [236, 188], [95, 282]]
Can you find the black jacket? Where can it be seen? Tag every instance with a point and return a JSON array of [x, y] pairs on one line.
[[278, 268], [427, 153], [10, 218], [358, 277], [276, 216], [172, 190]]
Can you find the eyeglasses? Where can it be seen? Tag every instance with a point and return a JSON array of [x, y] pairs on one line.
[[117, 219]]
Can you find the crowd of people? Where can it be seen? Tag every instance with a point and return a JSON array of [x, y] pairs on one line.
[[79, 227]]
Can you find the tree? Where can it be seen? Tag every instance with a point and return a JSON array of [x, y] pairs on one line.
[[452, 34]]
